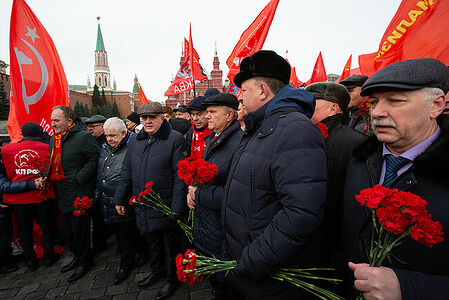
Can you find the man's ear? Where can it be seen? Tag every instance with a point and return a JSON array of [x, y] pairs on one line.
[[438, 105]]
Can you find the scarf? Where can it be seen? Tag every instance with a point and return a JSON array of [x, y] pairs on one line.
[[56, 172], [199, 142]]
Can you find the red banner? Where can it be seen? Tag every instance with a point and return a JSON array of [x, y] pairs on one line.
[[419, 29], [319, 72], [346, 71], [183, 81], [38, 81], [143, 98], [252, 39]]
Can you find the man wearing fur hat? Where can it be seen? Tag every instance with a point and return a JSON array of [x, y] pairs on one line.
[[409, 152], [276, 189]]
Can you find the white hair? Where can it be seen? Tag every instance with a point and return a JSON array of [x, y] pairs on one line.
[[431, 92], [115, 123]]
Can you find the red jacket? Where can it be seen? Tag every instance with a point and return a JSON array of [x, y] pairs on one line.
[[15, 157]]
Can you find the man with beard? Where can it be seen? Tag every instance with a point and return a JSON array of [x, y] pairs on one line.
[[409, 152]]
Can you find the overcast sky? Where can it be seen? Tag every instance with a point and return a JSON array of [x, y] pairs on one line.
[[144, 37]]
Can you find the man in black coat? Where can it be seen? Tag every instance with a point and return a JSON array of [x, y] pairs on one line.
[[276, 189], [354, 84], [207, 198], [406, 99], [153, 155], [331, 103]]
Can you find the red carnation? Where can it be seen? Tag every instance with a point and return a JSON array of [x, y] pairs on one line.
[[426, 231], [323, 128], [394, 220], [139, 197], [372, 197], [131, 200], [149, 185]]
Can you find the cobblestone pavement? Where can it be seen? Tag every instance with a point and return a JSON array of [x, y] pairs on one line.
[[50, 283]]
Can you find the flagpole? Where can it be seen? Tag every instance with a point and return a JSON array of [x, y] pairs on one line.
[[192, 59]]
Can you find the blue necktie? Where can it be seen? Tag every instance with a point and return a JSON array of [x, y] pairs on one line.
[[393, 165]]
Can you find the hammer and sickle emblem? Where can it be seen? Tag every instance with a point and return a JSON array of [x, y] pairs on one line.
[[22, 59]]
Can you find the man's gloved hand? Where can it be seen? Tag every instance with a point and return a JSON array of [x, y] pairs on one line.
[[174, 216]]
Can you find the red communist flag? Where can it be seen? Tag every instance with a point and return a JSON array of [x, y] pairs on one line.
[[143, 98], [38, 81], [319, 72], [418, 29], [294, 79], [252, 39], [183, 81], [346, 71], [13, 126]]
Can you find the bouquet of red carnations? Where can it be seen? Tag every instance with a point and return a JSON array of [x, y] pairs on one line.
[[151, 199], [81, 205], [196, 171], [396, 215], [365, 114], [39, 163], [192, 267]]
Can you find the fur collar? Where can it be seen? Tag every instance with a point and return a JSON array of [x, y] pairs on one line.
[[161, 134], [433, 162]]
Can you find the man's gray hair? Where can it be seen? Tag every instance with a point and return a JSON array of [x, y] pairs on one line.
[[431, 92], [228, 109], [115, 123]]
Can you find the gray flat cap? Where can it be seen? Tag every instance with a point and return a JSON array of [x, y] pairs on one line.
[[95, 119], [410, 74], [354, 81], [332, 92], [150, 109]]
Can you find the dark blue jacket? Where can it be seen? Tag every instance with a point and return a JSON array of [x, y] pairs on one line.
[[207, 231], [423, 272], [110, 163], [275, 194], [153, 159]]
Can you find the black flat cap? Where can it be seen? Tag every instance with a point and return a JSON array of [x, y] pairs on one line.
[[150, 109], [133, 117], [222, 99], [410, 74], [354, 81], [95, 119], [211, 91], [181, 108], [332, 92], [197, 104], [264, 63], [31, 129]]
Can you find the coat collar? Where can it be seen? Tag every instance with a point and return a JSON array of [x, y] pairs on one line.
[[222, 138], [434, 162], [161, 134]]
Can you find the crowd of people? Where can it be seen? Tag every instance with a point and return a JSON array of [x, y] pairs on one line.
[[284, 194]]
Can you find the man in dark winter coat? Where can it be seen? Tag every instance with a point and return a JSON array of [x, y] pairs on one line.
[[331, 103], [153, 157], [30, 204], [207, 198], [354, 84], [408, 152], [74, 161], [110, 163], [276, 189], [100, 231]]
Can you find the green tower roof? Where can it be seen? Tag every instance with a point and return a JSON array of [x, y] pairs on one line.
[[100, 44]]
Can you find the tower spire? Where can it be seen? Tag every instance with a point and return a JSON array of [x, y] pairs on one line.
[[101, 68], [100, 44]]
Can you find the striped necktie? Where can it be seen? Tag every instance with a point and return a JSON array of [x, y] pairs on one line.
[[393, 165]]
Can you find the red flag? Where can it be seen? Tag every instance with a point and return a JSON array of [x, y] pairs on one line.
[[183, 80], [233, 89], [319, 72], [346, 71], [252, 39], [419, 29], [143, 98], [38, 81], [13, 126], [294, 79]]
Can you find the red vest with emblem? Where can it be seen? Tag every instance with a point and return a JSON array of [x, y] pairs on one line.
[[15, 158]]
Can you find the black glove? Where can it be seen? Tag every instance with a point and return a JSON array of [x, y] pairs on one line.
[[174, 216]]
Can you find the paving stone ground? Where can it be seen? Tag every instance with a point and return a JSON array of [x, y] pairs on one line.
[[50, 283]]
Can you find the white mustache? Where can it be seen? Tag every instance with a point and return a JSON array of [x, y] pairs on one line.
[[383, 123]]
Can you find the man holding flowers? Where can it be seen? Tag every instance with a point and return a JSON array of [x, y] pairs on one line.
[[153, 156], [408, 152]]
